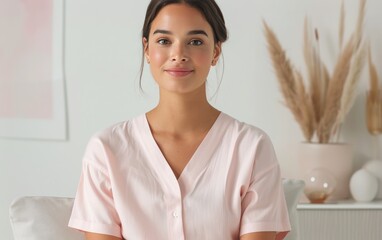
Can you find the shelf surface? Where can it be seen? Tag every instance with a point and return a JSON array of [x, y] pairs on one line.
[[348, 204]]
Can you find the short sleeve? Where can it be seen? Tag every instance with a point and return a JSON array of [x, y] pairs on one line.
[[93, 209], [263, 205]]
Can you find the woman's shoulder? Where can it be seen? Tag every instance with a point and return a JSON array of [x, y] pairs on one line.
[[119, 138], [243, 128], [120, 131], [252, 142]]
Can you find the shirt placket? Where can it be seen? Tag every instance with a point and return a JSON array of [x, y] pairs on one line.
[[175, 218]]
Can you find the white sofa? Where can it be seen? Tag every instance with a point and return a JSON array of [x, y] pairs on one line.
[[46, 218]]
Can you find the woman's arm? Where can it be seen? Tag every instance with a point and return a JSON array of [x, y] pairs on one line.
[[259, 236], [96, 236]]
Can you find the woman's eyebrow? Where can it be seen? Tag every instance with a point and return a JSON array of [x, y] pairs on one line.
[[193, 32], [196, 32]]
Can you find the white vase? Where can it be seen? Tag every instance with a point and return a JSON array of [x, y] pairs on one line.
[[337, 159], [363, 185], [375, 167]]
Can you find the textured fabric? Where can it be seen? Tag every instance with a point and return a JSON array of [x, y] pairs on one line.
[[231, 185], [42, 218]]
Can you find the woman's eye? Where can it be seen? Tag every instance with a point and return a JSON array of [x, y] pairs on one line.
[[163, 41], [196, 42]]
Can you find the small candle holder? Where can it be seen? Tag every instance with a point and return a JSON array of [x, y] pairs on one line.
[[319, 184]]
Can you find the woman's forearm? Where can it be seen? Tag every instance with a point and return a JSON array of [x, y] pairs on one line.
[[259, 236], [96, 236]]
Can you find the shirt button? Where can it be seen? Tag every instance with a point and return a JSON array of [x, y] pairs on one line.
[[175, 215]]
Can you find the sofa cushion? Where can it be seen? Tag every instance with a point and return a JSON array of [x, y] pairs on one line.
[[42, 218]]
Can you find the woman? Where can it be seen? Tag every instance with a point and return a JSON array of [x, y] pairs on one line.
[[183, 170]]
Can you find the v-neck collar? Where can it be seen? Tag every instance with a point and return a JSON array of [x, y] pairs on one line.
[[195, 166]]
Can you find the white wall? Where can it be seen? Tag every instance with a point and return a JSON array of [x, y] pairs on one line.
[[102, 64]]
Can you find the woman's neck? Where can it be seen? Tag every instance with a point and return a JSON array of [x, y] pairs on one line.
[[182, 113]]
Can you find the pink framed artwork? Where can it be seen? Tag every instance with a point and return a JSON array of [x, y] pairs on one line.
[[32, 93]]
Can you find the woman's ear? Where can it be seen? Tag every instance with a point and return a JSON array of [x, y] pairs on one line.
[[146, 49], [217, 52]]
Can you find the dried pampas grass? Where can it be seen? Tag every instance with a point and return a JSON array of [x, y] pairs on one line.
[[373, 101], [291, 83], [351, 85], [342, 24], [334, 94], [373, 78], [374, 114], [320, 108]]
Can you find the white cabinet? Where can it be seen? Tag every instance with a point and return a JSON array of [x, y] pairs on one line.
[[346, 220]]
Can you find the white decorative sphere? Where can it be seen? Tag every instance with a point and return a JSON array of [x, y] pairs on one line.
[[375, 167], [363, 186]]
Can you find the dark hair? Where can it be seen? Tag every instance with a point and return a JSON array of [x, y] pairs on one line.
[[208, 8]]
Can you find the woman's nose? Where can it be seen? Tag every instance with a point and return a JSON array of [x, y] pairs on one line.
[[179, 54]]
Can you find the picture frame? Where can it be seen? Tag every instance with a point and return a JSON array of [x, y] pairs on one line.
[[32, 79]]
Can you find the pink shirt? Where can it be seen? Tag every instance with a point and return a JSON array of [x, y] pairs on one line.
[[231, 186]]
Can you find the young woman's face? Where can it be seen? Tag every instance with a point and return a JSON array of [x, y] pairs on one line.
[[181, 49]]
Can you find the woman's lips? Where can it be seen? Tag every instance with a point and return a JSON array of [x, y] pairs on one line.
[[178, 72]]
